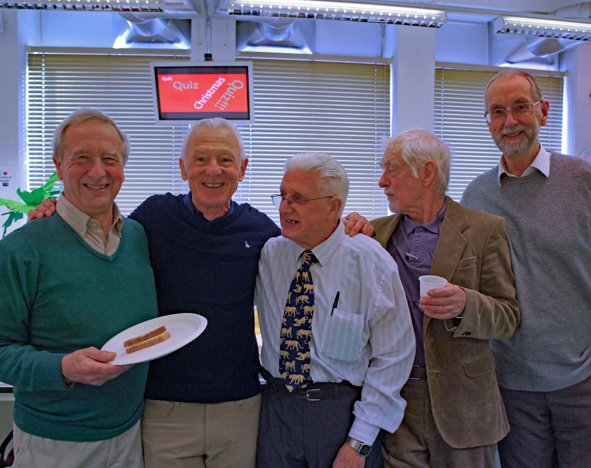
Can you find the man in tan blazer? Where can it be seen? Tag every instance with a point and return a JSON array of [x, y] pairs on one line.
[[454, 415]]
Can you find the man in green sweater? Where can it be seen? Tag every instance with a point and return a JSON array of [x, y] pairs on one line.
[[70, 283], [544, 370]]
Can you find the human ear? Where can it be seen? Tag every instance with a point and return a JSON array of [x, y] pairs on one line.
[[429, 172]]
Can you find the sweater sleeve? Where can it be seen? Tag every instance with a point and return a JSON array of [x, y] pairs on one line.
[[21, 364]]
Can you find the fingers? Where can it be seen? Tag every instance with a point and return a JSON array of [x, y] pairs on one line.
[[444, 303], [368, 230], [44, 209], [355, 224], [100, 356], [34, 214], [90, 366], [349, 221]]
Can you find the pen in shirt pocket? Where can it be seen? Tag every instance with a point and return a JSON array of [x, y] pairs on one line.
[[335, 303]]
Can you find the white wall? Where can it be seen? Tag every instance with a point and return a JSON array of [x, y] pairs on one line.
[[577, 62], [16, 32], [413, 79]]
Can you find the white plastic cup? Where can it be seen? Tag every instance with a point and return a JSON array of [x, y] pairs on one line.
[[429, 282]]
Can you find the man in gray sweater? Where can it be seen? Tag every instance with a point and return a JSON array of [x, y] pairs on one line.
[[544, 369]]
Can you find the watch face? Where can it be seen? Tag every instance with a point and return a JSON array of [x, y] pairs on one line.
[[364, 450]]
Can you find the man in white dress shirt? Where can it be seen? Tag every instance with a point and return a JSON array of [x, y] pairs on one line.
[[325, 407]]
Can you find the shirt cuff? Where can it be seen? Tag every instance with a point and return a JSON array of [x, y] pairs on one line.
[[364, 432]]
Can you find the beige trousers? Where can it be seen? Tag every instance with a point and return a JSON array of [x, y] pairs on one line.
[[123, 451], [194, 435]]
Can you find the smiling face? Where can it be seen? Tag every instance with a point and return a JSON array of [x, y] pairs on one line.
[[213, 167], [91, 167], [516, 138], [310, 223]]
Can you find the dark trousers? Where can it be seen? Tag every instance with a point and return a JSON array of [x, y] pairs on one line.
[[548, 429], [296, 432]]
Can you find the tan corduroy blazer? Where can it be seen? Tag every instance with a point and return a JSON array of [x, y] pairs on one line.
[[472, 252]]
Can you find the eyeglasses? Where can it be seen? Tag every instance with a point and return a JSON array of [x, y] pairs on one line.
[[518, 110], [277, 199]]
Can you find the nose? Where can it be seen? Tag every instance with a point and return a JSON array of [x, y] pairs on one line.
[[97, 169], [213, 169], [285, 206], [510, 119], [383, 182]]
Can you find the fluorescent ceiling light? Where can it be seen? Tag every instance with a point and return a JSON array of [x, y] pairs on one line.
[[580, 31], [87, 5], [340, 11]]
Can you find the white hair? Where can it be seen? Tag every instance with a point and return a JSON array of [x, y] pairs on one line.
[[215, 122], [416, 147], [332, 175]]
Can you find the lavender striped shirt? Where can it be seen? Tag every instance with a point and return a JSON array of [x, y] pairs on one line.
[[367, 340]]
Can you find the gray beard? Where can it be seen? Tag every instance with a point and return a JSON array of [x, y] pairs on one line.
[[526, 142]]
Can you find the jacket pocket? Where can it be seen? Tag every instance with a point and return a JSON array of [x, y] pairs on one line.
[[342, 334], [469, 262], [479, 365]]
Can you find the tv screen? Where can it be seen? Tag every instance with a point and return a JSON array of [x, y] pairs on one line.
[[190, 91]]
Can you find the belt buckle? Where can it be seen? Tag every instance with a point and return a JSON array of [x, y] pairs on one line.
[[309, 395]]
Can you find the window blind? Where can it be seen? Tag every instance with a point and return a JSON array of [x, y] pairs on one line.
[[339, 108], [120, 86], [459, 121]]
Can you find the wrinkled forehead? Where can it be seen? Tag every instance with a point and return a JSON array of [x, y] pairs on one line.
[[392, 156], [216, 140], [298, 181], [512, 88]]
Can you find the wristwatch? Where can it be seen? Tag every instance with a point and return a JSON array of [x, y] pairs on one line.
[[361, 448]]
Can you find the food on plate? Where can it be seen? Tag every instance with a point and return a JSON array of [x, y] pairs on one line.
[[145, 341], [147, 336]]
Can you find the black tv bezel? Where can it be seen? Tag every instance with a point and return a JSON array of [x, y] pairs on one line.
[[180, 118]]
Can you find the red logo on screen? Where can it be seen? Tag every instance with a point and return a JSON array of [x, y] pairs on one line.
[[203, 93]]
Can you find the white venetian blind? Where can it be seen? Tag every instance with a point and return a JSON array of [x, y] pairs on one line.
[[459, 121], [342, 109], [120, 86]]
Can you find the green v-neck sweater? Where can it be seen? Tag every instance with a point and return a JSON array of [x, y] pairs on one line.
[[58, 295]]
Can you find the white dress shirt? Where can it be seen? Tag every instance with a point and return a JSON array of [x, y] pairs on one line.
[[366, 340], [541, 163]]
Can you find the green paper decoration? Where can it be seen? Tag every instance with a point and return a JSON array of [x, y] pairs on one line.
[[30, 199]]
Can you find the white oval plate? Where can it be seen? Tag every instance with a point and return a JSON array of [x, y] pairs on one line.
[[183, 329]]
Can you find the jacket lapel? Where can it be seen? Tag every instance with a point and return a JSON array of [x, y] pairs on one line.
[[451, 243], [387, 229]]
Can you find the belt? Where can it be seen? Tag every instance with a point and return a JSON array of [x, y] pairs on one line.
[[418, 373], [314, 391]]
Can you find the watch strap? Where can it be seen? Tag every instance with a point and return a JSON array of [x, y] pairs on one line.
[[361, 448]]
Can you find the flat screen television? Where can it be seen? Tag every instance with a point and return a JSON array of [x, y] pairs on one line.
[[188, 91]]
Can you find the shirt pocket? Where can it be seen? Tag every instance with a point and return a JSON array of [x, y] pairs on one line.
[[341, 339]]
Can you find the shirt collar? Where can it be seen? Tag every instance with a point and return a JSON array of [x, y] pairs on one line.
[[326, 249], [541, 163], [193, 209], [434, 226], [79, 220]]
